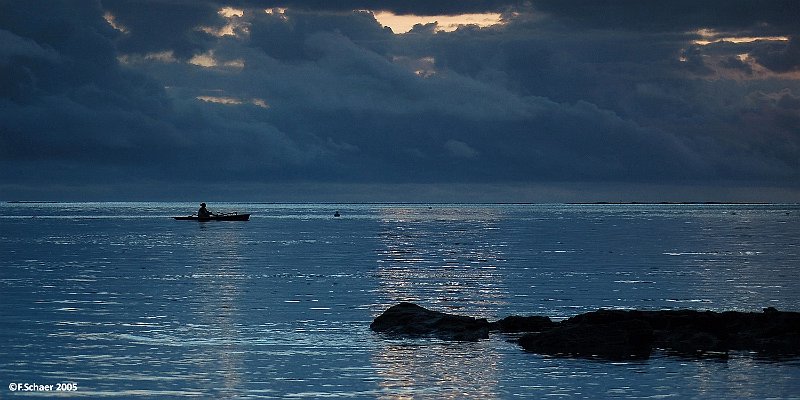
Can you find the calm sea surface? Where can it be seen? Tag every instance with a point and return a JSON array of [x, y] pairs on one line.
[[123, 301]]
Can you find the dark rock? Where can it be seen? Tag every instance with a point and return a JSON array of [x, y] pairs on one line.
[[603, 316], [516, 323], [616, 334], [691, 333], [771, 334], [688, 333], [622, 340], [411, 320], [695, 344]]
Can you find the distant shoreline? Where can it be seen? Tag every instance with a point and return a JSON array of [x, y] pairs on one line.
[[672, 202]]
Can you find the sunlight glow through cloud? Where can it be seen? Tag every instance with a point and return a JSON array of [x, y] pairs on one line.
[[114, 24], [279, 11], [229, 12], [444, 23], [207, 60], [424, 67], [167, 56], [234, 25], [710, 36], [203, 60], [226, 30], [233, 101]]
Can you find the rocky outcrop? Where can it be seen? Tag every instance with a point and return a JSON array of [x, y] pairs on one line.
[[615, 334], [516, 323], [411, 320], [682, 332], [623, 340]]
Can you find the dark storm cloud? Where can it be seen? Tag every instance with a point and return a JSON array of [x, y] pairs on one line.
[[53, 90], [15, 46], [770, 17], [784, 57], [322, 93], [415, 7], [447, 126], [285, 40], [67, 104], [76, 32], [158, 25]]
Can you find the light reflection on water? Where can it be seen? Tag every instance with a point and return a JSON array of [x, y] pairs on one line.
[[442, 370], [452, 268], [127, 302], [219, 259]]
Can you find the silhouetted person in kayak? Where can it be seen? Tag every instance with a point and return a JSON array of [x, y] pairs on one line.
[[203, 211]]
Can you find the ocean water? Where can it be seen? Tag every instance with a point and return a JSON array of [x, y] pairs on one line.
[[118, 300]]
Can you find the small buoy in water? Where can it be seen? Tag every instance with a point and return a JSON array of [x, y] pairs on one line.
[[336, 214]]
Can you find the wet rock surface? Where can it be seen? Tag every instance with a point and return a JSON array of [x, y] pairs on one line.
[[615, 334], [411, 320], [622, 340], [516, 323]]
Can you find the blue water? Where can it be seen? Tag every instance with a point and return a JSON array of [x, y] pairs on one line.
[[125, 302]]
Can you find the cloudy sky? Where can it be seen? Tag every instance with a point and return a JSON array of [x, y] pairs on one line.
[[471, 100]]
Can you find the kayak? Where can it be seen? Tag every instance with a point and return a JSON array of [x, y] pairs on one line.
[[216, 217]]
